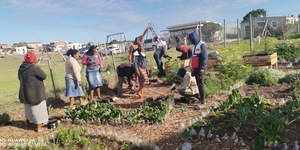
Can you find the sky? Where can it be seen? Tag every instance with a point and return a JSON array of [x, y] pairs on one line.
[[86, 21]]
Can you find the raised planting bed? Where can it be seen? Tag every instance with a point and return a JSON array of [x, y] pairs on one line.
[[259, 60], [152, 111]]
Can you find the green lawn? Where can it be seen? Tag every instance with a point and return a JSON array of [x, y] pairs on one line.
[[9, 67], [10, 84]]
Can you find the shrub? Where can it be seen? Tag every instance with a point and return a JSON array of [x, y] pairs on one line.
[[266, 77], [289, 52], [294, 36], [4, 119], [172, 76], [290, 78]]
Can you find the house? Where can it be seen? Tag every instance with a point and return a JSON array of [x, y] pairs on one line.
[[259, 24], [57, 46], [181, 30], [36, 46], [74, 46], [4, 46], [21, 50]]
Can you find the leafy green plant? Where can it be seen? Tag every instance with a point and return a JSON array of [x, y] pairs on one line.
[[288, 52], [95, 111], [66, 136], [172, 76], [290, 78], [4, 119], [265, 77], [85, 142]]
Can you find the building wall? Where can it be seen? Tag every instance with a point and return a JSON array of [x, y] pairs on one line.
[[74, 45], [21, 50], [35, 46]]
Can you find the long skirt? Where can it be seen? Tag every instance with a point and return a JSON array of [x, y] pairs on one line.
[[73, 89], [144, 76], [94, 77], [36, 114]]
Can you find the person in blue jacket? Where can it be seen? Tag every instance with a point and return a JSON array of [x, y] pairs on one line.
[[199, 51]]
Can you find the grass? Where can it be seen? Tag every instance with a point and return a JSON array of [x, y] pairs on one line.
[[10, 84], [9, 66]]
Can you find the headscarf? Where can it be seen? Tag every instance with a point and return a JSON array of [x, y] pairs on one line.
[[181, 72], [30, 57]]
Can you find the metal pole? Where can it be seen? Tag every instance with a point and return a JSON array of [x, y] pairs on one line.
[[51, 74], [224, 34], [238, 30], [200, 31], [251, 33]]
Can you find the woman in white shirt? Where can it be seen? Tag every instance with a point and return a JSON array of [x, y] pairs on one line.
[[73, 78]]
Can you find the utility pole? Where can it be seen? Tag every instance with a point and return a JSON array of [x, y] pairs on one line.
[[238, 31], [224, 34], [251, 33], [200, 31]]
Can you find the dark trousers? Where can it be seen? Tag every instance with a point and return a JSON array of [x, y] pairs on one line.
[[200, 83], [159, 64]]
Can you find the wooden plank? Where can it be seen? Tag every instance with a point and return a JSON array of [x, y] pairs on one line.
[[261, 60]]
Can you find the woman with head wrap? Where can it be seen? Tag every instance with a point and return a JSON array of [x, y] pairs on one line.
[[73, 78], [93, 63], [32, 91]]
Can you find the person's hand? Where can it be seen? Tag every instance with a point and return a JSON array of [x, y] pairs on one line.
[[192, 73], [202, 71], [137, 73], [79, 83]]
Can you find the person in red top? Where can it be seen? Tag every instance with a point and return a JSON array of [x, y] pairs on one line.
[[93, 63], [185, 50]]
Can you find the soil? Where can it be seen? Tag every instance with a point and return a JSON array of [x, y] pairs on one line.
[[163, 135]]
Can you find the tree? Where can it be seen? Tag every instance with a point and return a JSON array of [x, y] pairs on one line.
[[209, 29], [90, 44], [255, 13]]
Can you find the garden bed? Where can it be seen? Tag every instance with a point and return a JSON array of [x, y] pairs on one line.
[[258, 60]]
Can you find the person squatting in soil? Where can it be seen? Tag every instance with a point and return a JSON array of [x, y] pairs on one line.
[[161, 51], [188, 87], [198, 63], [93, 63], [126, 70], [140, 64], [32, 91], [73, 78]]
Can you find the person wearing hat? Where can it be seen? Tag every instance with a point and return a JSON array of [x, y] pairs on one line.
[[73, 78], [188, 87], [140, 65], [93, 63], [32, 91]]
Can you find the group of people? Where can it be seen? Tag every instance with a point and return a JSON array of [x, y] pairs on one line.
[[193, 82], [32, 91]]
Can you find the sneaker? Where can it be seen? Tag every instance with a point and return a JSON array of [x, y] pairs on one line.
[[199, 106]]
